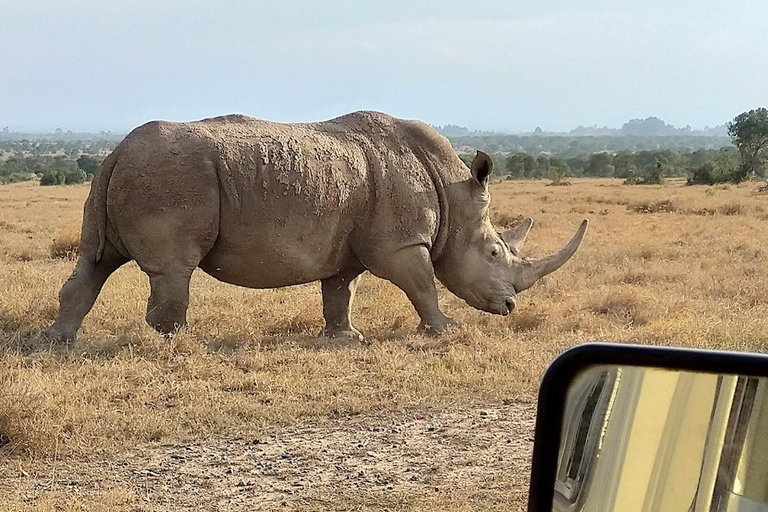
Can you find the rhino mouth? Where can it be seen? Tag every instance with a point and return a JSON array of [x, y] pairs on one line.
[[508, 307], [502, 308]]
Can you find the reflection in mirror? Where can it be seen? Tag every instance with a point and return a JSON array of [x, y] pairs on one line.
[[652, 440]]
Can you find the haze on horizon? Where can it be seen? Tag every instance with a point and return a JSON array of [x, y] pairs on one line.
[[88, 65]]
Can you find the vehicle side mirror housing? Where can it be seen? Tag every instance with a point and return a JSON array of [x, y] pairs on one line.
[[651, 429]]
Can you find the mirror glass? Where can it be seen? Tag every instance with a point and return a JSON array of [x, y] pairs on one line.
[[658, 440]]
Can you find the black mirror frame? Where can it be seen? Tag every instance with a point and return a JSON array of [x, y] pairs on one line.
[[560, 373]]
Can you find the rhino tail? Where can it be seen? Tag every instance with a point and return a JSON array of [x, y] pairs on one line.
[[96, 205]]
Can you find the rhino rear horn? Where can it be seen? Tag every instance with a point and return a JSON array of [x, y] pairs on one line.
[[515, 237], [536, 269]]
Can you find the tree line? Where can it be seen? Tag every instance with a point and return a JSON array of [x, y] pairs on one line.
[[647, 166], [49, 169], [69, 149], [575, 145], [745, 159]]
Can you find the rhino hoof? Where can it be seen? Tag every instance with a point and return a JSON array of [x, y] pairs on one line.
[[437, 328], [345, 335], [59, 336]]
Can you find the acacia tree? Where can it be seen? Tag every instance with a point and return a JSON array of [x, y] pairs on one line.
[[749, 133]]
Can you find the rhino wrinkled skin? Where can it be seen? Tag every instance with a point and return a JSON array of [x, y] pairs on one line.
[[264, 205]]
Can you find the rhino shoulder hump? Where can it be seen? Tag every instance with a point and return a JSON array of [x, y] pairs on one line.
[[151, 129]]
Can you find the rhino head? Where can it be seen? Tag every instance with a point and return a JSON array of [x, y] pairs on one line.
[[481, 265]]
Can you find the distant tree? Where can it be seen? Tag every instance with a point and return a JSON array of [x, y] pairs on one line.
[[90, 164], [558, 170], [704, 174], [599, 164], [529, 166], [654, 175], [647, 127], [49, 178], [56, 170], [521, 165], [645, 158], [515, 167], [78, 176], [699, 157], [542, 166], [749, 133], [452, 130], [624, 164], [577, 164], [722, 167], [559, 166]]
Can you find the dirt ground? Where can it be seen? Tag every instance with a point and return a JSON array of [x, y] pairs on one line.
[[389, 462]]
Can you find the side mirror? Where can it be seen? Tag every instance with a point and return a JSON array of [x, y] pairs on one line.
[[651, 429]]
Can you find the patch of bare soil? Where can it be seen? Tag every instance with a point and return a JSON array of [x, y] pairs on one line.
[[421, 459]]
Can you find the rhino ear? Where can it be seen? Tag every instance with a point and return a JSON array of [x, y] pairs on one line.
[[515, 237], [482, 167]]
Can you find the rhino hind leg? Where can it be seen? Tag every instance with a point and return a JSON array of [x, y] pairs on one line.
[[411, 270], [168, 301], [168, 247], [338, 294], [169, 267], [79, 293]]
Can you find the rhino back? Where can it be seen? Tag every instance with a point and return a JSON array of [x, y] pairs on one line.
[[297, 202], [316, 198]]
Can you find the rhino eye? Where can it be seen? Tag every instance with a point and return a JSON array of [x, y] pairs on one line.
[[494, 253]]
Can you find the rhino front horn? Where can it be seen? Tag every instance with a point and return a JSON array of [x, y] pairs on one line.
[[534, 270]]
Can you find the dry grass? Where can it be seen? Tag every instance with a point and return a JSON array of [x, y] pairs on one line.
[[661, 206], [58, 500], [65, 246], [249, 360]]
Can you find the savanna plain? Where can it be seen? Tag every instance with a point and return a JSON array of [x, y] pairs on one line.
[[246, 409]]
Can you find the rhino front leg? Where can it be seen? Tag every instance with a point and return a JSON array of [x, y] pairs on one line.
[[411, 270], [338, 294]]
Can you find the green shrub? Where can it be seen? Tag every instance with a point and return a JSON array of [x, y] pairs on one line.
[[48, 178], [651, 175]]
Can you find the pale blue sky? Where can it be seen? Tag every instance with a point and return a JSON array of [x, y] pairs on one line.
[[114, 64]]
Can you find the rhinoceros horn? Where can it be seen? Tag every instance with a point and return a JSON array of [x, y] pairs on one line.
[[533, 270]]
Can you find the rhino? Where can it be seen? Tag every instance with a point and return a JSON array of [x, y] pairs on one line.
[[262, 204]]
